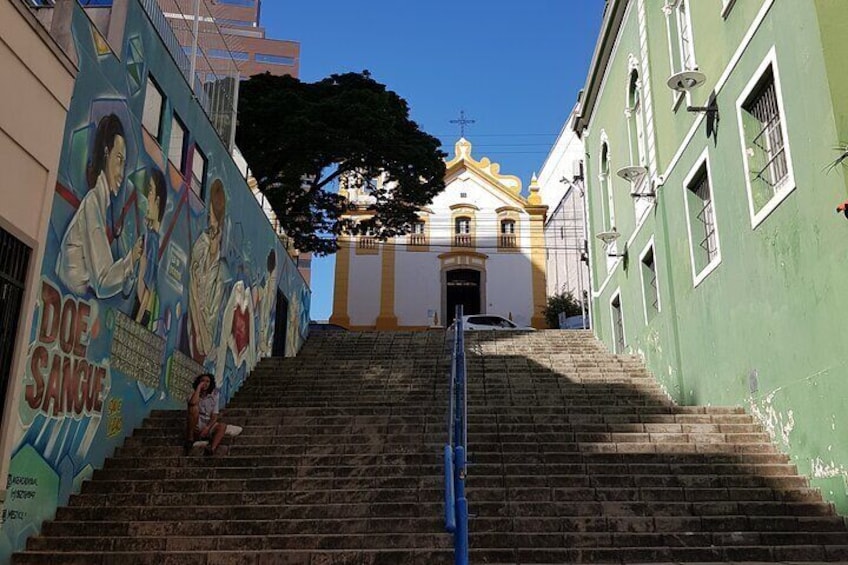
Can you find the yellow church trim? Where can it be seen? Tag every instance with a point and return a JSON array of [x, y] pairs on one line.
[[387, 320], [465, 205], [538, 264], [509, 185], [340, 315]]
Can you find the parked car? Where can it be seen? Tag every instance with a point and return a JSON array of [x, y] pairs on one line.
[[482, 322]]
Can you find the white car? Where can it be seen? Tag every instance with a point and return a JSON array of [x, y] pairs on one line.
[[482, 322]]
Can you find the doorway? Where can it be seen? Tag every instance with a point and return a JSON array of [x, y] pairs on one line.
[[462, 286], [281, 319], [14, 261]]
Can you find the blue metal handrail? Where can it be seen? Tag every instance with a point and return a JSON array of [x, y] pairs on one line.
[[456, 504]]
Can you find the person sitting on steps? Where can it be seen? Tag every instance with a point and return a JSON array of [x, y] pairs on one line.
[[202, 423]]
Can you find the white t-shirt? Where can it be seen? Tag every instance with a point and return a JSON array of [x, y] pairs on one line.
[[208, 405]]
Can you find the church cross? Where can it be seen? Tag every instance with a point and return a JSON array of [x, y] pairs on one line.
[[462, 121]]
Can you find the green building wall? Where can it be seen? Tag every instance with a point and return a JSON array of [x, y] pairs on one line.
[[763, 329]]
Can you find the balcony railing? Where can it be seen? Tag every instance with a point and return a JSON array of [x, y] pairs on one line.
[[367, 242], [419, 239], [507, 240], [463, 240]]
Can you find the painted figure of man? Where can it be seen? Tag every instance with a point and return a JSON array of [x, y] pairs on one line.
[[86, 261], [206, 285], [148, 270]]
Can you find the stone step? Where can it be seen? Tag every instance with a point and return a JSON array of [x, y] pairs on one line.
[[650, 509], [293, 496], [750, 555], [300, 484], [287, 557], [215, 526], [645, 494], [124, 485], [254, 511], [223, 542]]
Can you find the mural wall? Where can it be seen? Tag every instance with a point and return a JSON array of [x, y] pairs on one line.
[[146, 281]]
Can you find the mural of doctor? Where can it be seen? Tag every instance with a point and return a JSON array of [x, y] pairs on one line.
[[85, 260], [206, 285]]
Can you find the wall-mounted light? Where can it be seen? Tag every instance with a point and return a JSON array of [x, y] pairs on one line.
[[610, 237], [686, 81]]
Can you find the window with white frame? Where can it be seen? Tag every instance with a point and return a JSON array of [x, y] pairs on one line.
[[767, 161], [650, 290], [606, 193], [703, 232], [636, 121], [154, 103], [680, 35]]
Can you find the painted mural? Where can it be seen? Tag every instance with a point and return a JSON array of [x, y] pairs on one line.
[[145, 282]]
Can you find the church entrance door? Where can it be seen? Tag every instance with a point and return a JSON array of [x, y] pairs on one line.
[[463, 287]]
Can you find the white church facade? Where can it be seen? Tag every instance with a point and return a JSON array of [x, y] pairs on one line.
[[480, 244]]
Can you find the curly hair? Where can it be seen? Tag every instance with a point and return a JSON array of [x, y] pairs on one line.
[[211, 382]]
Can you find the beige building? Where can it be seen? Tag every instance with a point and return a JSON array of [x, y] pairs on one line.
[[35, 93]]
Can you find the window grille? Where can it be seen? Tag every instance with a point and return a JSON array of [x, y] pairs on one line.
[[705, 216], [652, 298], [14, 261], [687, 51], [763, 106]]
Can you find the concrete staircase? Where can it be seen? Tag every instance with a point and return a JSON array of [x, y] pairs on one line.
[[577, 456], [340, 462]]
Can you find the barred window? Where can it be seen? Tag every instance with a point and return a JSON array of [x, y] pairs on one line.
[[765, 141], [649, 284], [703, 231]]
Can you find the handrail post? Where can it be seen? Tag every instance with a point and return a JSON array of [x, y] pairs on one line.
[[461, 535]]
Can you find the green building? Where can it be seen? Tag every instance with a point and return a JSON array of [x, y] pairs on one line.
[[712, 130]]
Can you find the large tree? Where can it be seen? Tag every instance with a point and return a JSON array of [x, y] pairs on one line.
[[300, 138]]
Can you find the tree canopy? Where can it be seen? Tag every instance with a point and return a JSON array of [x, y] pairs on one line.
[[301, 137]]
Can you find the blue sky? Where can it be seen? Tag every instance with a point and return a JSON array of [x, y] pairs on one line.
[[515, 68]]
